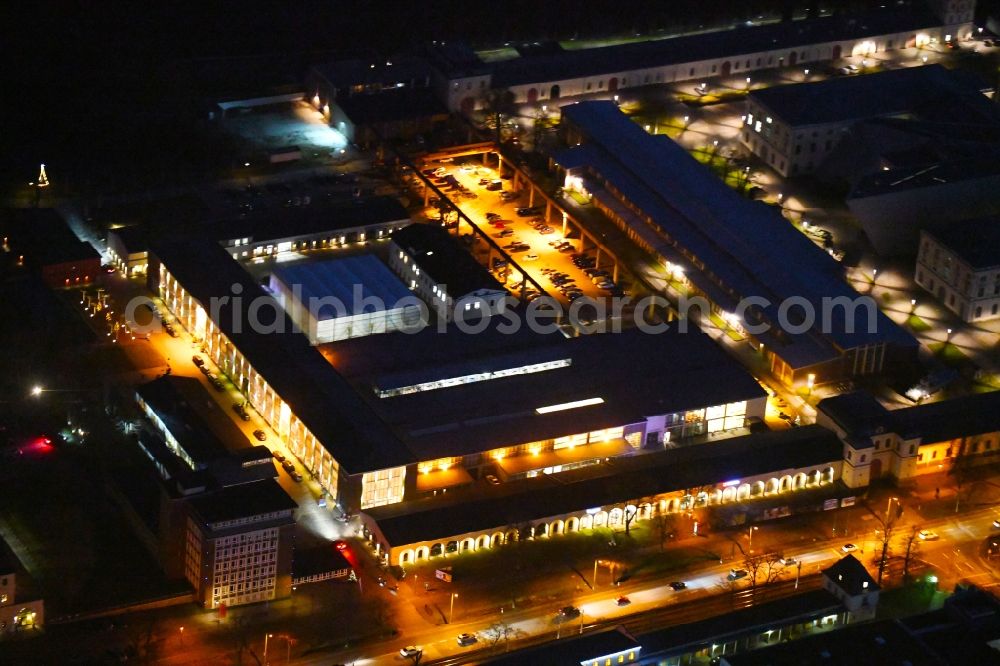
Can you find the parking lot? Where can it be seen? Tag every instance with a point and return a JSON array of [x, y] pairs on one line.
[[528, 243]]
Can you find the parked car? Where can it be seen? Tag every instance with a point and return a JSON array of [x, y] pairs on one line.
[[198, 360], [465, 640], [493, 216], [288, 466], [260, 435], [296, 477], [506, 233], [569, 612], [277, 455], [492, 480], [530, 257]]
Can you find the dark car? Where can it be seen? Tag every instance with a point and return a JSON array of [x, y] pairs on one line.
[[277, 455], [198, 360], [678, 585], [260, 435], [288, 466], [569, 612]]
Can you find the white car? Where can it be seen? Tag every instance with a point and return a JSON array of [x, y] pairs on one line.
[[409, 651], [849, 548], [530, 257], [465, 640], [928, 535], [789, 561]]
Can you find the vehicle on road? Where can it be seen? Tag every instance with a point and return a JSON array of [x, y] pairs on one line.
[[288, 466], [492, 480], [296, 477], [260, 435], [928, 535], [849, 548], [736, 574], [678, 585], [996, 524], [788, 561], [409, 651], [198, 360], [277, 455], [623, 601], [465, 640], [569, 612], [530, 257]]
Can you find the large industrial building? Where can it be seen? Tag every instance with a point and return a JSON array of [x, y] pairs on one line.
[[344, 298], [794, 128], [742, 256], [541, 73], [267, 233], [960, 266]]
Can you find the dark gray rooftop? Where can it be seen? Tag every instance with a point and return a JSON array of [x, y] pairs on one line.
[[680, 371], [573, 650], [170, 398], [748, 249], [392, 106], [692, 466], [246, 500], [708, 46], [851, 576], [316, 393], [976, 242], [43, 236], [445, 260], [929, 90]]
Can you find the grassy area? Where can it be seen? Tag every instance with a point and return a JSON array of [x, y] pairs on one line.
[[917, 325], [948, 352]]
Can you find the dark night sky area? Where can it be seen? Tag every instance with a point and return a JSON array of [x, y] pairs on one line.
[[82, 72]]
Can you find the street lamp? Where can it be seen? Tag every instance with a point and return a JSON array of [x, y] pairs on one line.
[[266, 638], [750, 537], [451, 610], [36, 390]]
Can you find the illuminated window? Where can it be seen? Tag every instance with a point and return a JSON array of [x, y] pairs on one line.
[[382, 487]]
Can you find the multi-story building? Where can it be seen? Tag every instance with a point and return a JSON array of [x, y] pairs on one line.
[[437, 268], [908, 442], [960, 266], [266, 234], [17, 615], [746, 262], [794, 128], [238, 544], [554, 73]]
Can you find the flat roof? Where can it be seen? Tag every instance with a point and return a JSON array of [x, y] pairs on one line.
[[524, 501], [370, 68], [322, 400], [445, 260], [264, 225], [680, 371], [242, 501], [976, 242], [719, 45], [355, 282], [747, 248], [679, 639], [44, 237], [171, 397], [392, 106], [930, 90], [318, 560], [885, 643]]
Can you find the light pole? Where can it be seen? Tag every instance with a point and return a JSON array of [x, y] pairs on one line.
[[798, 572], [750, 537], [182, 635], [451, 609], [594, 586], [267, 637]]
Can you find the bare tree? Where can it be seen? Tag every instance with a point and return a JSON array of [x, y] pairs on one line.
[[762, 569], [501, 631], [497, 103], [912, 550], [663, 525], [887, 524]]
